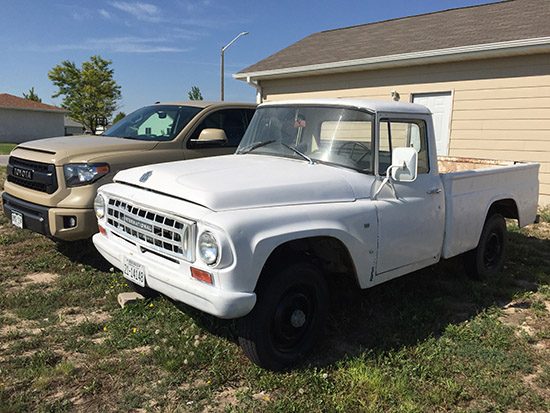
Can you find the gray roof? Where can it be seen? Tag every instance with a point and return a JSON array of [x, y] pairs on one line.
[[491, 23]]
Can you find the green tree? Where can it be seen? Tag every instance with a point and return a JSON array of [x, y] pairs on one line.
[[118, 117], [194, 93], [32, 95], [90, 93]]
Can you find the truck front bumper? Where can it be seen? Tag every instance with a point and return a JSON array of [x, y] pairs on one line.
[[174, 280], [60, 223]]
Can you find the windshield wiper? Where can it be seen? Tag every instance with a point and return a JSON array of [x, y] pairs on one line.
[[296, 151], [256, 145]]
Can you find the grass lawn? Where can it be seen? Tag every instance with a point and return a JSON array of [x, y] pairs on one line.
[[431, 341], [5, 148]]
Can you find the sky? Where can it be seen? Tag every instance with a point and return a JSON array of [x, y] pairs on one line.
[[160, 49]]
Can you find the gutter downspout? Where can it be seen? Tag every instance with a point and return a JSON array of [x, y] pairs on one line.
[[256, 85]]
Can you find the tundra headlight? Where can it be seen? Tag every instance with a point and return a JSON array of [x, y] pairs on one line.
[[77, 174], [99, 206], [208, 248]]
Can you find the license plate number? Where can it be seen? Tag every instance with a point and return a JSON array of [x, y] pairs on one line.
[[134, 272], [17, 219]]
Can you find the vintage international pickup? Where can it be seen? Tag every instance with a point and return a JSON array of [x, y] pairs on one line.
[[51, 183], [316, 189]]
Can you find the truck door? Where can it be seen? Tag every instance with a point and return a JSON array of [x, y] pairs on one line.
[[232, 121], [410, 225]]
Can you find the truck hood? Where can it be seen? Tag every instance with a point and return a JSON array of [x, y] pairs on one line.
[[81, 146], [244, 181]]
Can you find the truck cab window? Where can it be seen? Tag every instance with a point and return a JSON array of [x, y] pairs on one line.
[[233, 122], [396, 133]]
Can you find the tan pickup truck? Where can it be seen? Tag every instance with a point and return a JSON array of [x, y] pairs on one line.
[[51, 183]]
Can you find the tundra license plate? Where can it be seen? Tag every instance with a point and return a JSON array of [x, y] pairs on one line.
[[134, 272], [17, 219]]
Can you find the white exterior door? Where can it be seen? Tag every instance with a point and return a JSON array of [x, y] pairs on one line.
[[440, 104]]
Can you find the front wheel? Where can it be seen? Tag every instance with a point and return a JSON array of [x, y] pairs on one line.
[[288, 318], [487, 259]]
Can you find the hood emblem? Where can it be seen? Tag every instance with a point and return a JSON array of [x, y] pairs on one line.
[[145, 176]]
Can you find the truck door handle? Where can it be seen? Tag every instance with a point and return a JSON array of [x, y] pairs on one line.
[[433, 191]]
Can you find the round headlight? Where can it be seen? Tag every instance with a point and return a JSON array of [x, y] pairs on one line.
[[208, 248], [99, 206]]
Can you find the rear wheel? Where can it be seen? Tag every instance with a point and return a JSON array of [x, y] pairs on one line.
[[288, 318], [487, 259]]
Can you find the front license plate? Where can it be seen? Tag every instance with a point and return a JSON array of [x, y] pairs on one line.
[[17, 219], [134, 272]]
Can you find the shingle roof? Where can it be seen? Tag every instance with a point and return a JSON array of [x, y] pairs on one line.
[[8, 101], [490, 23]]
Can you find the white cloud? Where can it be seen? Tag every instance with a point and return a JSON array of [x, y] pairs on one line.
[[128, 44], [141, 11], [104, 13]]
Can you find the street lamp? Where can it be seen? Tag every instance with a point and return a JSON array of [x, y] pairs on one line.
[[222, 63]]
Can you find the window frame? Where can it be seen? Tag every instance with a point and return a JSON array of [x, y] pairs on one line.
[[389, 118]]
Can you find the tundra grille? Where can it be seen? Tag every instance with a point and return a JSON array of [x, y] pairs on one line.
[[159, 232], [33, 175]]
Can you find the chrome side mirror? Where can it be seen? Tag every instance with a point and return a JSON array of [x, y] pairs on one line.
[[404, 167]]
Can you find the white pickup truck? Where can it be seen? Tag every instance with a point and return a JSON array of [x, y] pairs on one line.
[[317, 189]]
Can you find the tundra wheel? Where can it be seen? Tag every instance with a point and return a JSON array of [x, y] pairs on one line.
[[288, 318], [487, 258]]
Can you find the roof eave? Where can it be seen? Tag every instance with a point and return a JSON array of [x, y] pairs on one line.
[[471, 52], [60, 111]]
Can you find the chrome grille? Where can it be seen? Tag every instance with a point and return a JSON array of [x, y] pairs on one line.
[[157, 231]]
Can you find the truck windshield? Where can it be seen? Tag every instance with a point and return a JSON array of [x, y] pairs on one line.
[[334, 135], [153, 123]]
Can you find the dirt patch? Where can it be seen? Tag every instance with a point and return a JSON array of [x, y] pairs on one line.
[[73, 315], [41, 278]]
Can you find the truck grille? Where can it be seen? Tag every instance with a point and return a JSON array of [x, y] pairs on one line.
[[33, 175], [159, 232]]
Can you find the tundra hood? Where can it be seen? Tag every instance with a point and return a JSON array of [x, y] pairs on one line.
[[65, 148], [243, 181]]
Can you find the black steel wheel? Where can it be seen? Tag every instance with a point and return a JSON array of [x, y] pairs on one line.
[[487, 259], [288, 318]]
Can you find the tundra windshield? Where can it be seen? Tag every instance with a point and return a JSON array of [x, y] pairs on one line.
[[153, 123], [334, 135]]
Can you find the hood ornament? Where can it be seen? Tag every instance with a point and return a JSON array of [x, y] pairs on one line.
[[145, 176]]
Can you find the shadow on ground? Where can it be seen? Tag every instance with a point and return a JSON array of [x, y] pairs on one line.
[[398, 313], [83, 252]]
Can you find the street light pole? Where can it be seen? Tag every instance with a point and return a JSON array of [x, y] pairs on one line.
[[222, 62]]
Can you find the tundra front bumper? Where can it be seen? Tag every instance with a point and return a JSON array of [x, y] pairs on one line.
[[174, 279], [66, 224]]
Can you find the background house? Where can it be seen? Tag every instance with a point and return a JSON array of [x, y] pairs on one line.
[[23, 120], [72, 127], [484, 72]]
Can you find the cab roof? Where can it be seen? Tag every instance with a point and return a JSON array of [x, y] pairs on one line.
[[368, 104]]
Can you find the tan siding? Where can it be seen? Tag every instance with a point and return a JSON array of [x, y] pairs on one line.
[[501, 107]]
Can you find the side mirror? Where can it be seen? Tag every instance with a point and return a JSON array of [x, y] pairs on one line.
[[404, 164], [211, 135]]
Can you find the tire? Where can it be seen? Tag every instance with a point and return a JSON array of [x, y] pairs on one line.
[[144, 291], [487, 259], [288, 318]]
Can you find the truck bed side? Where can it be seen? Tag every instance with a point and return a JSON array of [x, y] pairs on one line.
[[474, 188]]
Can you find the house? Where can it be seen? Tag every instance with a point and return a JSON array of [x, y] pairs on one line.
[[72, 127], [23, 120], [484, 72]]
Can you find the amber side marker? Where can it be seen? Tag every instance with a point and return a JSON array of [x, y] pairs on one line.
[[201, 275]]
